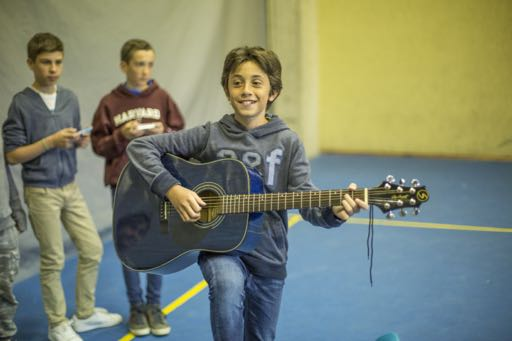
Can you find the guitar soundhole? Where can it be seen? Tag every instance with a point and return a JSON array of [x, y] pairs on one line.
[[210, 217]]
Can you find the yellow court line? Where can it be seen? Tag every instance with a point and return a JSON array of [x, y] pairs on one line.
[[417, 224]]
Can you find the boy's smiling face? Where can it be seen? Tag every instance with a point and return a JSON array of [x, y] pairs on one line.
[[249, 92], [139, 69]]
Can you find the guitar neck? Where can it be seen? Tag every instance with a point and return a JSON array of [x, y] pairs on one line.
[[249, 203], [385, 197]]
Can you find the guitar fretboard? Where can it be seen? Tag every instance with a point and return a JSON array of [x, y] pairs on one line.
[[249, 203]]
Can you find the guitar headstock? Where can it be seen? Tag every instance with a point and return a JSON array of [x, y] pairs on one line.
[[390, 196]]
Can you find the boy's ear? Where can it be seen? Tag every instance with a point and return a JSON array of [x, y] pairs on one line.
[[30, 63], [273, 96], [124, 66]]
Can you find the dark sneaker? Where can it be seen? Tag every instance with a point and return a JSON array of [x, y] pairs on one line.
[[156, 320], [138, 323]]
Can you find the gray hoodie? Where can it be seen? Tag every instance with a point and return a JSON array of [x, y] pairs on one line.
[[28, 121], [272, 149]]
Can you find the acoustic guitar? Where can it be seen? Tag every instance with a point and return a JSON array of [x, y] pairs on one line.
[[150, 236]]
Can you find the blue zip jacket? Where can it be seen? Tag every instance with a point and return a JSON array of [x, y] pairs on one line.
[[28, 121]]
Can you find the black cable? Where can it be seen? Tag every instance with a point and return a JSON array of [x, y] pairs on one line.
[[369, 243]]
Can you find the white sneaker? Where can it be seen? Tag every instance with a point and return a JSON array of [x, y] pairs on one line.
[[100, 319], [63, 332]]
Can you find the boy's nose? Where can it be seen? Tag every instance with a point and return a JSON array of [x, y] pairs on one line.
[[247, 89]]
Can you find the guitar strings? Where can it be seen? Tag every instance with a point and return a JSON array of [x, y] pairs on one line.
[[234, 199], [233, 203], [316, 193]]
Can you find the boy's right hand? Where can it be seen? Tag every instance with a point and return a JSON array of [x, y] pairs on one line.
[[186, 202], [130, 131]]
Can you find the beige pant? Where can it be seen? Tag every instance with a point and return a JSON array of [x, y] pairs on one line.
[[49, 209]]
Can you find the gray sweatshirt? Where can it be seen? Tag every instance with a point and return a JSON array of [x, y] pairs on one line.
[[28, 121], [272, 149]]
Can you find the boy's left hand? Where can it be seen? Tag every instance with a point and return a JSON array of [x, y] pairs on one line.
[[82, 141], [349, 206], [158, 129]]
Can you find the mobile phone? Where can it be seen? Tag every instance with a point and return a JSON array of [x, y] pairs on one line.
[[85, 131], [146, 126]]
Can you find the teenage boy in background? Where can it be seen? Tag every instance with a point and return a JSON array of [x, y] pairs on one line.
[[42, 133], [135, 108]]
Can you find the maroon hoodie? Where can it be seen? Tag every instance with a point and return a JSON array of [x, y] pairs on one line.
[[117, 108]]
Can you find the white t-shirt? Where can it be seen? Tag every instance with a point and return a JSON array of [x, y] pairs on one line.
[[48, 99]]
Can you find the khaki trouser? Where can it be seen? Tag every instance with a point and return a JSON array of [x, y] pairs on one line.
[[49, 209]]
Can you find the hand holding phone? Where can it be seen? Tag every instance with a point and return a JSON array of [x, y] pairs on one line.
[[85, 131]]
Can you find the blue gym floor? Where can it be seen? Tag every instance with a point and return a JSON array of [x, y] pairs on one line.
[[442, 275]]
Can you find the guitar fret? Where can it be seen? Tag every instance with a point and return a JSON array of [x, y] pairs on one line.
[[242, 203]]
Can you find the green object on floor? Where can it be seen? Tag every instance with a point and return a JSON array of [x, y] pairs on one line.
[[389, 337]]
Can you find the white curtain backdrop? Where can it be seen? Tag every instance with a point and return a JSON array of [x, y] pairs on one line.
[[190, 37]]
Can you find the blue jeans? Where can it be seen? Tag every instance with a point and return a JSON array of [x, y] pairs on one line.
[[134, 290], [242, 306], [132, 282]]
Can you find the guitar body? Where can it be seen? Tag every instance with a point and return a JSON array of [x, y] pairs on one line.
[[149, 236]]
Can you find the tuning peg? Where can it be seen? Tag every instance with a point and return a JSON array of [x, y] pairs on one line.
[[401, 182], [390, 179], [415, 183], [390, 215], [416, 211], [403, 212]]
